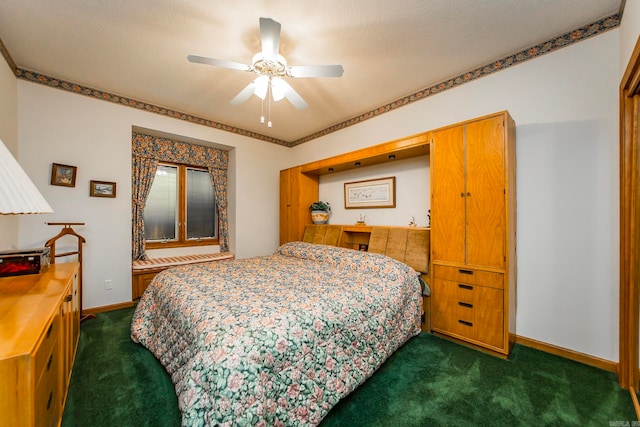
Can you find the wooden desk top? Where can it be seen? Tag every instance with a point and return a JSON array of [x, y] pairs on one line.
[[27, 303]]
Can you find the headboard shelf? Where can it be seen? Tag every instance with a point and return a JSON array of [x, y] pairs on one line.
[[407, 244]]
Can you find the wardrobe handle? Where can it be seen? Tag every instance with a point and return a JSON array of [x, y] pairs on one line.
[[465, 304], [464, 322], [463, 286]]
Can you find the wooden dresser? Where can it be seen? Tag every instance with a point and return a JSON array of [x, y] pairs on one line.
[[39, 332], [473, 226]]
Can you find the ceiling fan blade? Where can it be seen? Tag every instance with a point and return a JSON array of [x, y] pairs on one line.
[[219, 63], [316, 71], [244, 93], [269, 38], [294, 98]]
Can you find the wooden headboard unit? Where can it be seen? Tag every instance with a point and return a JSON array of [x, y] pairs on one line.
[[405, 244]]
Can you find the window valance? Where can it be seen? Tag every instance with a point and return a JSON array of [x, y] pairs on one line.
[[168, 150]]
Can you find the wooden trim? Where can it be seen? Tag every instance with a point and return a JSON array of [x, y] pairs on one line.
[[471, 344], [404, 148], [629, 223], [586, 359], [634, 399], [181, 240], [182, 244], [111, 307]]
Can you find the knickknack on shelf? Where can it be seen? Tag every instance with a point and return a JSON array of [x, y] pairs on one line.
[[320, 212]]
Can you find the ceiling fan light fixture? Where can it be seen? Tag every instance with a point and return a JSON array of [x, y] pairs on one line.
[[262, 86], [271, 67], [277, 88]]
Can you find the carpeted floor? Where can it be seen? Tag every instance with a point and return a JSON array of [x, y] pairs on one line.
[[430, 381]]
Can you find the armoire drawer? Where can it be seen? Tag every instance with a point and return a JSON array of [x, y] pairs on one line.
[[470, 312], [469, 275]]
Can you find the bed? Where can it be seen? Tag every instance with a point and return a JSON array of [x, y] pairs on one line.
[[278, 339]]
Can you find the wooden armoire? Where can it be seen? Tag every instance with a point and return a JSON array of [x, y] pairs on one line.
[[473, 230], [297, 192]]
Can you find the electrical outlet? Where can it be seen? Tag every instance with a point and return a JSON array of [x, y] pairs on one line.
[[107, 284]]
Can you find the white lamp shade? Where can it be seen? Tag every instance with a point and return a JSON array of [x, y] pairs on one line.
[[277, 88], [18, 194], [262, 84]]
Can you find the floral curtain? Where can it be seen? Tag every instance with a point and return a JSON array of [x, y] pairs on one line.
[[159, 149], [219, 182], [143, 173]]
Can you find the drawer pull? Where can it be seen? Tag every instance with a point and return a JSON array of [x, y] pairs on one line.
[[49, 401], [49, 330], [465, 304], [464, 322], [463, 286], [469, 272], [49, 362]]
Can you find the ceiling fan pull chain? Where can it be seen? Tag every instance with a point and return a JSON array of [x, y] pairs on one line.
[[269, 96]]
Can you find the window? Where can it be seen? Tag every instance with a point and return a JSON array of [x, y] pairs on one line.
[[181, 208]]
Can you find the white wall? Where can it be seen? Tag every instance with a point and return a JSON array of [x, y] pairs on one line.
[[9, 136], [629, 30], [61, 127], [412, 193], [565, 107]]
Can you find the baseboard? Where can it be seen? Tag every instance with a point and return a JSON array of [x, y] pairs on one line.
[[104, 308], [606, 365]]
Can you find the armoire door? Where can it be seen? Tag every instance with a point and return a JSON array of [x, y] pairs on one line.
[[485, 193], [447, 195], [285, 206], [297, 192]]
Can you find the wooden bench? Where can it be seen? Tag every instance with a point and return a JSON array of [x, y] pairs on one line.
[[143, 272]]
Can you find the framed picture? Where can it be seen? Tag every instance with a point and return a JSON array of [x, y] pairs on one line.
[[373, 193], [64, 175], [102, 189]]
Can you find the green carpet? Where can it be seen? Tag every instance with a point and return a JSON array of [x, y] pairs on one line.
[[430, 381]]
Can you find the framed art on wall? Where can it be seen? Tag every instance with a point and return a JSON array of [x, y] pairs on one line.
[[372, 193], [63, 175], [102, 189]]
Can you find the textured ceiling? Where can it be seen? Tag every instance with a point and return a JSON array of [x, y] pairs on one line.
[[389, 50]]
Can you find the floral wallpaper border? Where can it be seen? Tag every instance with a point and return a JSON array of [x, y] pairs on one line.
[[551, 45]]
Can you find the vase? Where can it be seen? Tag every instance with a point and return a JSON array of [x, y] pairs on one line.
[[319, 217]]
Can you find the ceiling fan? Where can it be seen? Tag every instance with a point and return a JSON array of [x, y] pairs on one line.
[[271, 68]]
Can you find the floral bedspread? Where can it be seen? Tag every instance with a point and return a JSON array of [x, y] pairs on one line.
[[279, 339]]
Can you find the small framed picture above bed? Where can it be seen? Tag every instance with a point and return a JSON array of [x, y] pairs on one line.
[[372, 193]]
